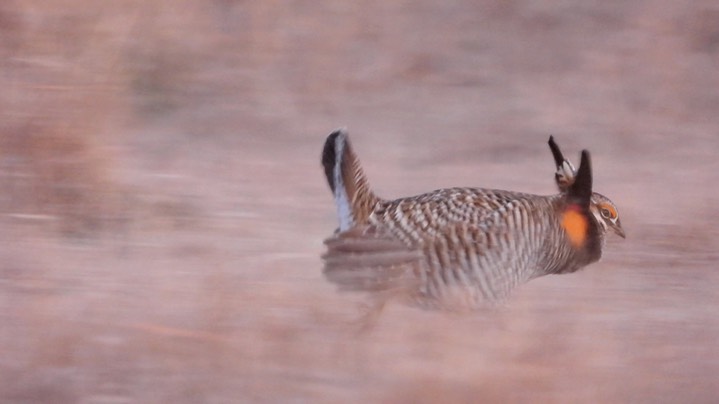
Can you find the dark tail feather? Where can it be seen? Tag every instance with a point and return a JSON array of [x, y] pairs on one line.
[[329, 158], [353, 197]]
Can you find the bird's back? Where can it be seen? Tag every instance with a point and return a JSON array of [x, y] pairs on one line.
[[470, 245]]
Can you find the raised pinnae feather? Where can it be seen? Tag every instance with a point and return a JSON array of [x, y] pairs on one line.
[[556, 153], [581, 188], [565, 174]]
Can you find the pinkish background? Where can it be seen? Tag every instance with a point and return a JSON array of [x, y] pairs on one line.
[[162, 206]]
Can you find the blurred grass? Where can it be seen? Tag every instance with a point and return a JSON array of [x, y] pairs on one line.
[[63, 92], [162, 206], [76, 76]]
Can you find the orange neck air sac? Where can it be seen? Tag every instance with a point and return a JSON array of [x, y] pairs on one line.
[[575, 224]]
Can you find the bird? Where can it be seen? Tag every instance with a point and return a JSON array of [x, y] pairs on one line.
[[459, 248]]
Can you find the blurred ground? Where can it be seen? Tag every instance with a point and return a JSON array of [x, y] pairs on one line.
[[163, 209]]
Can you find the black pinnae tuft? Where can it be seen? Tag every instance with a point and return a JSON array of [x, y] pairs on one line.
[[558, 157], [329, 157], [581, 189]]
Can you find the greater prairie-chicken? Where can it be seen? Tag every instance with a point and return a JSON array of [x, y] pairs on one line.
[[460, 246]]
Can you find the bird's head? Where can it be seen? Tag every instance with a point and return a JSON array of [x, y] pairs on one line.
[[606, 214]]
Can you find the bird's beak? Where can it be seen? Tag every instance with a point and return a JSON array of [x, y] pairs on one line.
[[617, 227]]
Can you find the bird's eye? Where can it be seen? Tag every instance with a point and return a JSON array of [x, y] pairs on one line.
[[606, 213]]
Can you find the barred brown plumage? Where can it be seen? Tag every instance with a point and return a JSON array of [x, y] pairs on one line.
[[460, 247]]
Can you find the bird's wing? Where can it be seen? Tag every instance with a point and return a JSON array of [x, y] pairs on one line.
[[366, 259]]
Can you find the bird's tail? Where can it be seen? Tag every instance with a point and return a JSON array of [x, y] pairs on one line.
[[353, 197]]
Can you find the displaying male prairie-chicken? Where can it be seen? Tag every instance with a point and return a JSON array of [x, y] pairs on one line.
[[460, 247]]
